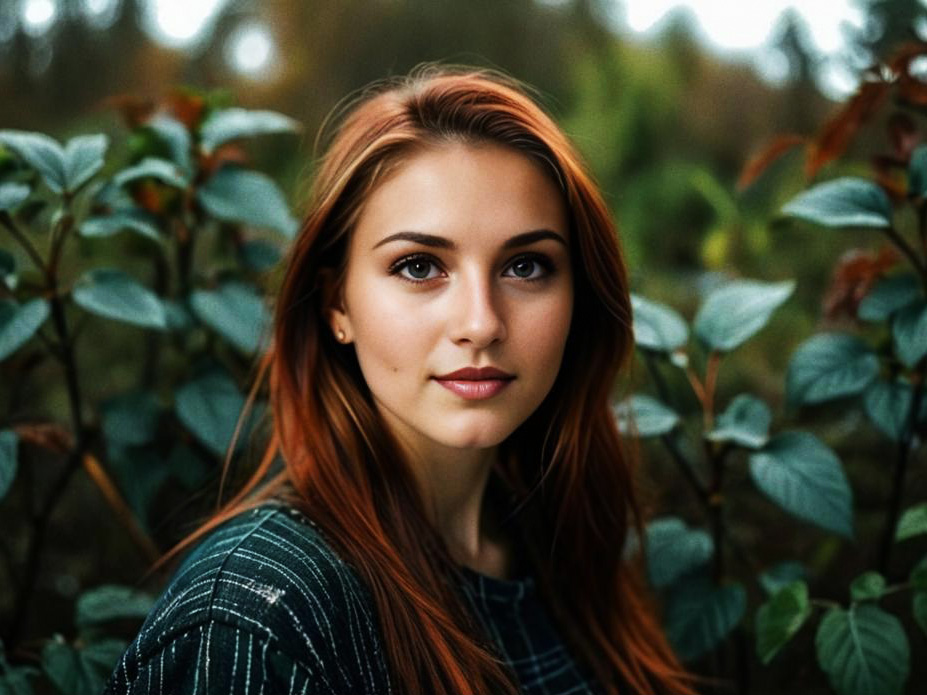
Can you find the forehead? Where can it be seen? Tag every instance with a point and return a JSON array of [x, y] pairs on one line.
[[463, 191]]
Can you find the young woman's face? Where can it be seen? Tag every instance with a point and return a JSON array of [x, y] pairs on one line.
[[460, 259]]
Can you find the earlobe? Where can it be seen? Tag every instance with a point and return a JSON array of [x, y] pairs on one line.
[[333, 304]]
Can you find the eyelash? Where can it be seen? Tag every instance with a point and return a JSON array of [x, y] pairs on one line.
[[396, 268]]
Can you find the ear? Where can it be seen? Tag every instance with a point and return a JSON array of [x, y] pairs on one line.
[[333, 308]]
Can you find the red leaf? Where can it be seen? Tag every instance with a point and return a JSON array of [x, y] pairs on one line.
[[854, 275], [187, 108], [759, 163], [47, 435], [903, 134], [837, 133], [135, 110]]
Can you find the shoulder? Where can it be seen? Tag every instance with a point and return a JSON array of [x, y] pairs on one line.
[[266, 582]]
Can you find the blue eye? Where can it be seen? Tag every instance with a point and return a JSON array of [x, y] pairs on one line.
[[420, 268]]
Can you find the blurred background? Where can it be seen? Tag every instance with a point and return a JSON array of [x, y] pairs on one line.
[[668, 101]]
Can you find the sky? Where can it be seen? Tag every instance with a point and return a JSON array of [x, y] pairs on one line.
[[734, 30]]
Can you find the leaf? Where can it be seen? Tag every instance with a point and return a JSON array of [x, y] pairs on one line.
[[919, 608], [735, 312], [116, 295], [19, 322], [111, 602], [83, 157], [912, 523], [888, 405], [12, 195], [863, 651], [131, 419], [235, 311], [919, 575], [917, 171], [259, 255], [81, 671], [780, 618], [868, 586], [889, 295], [828, 366], [9, 445], [844, 202], [152, 168], [175, 135], [909, 329], [745, 422], [40, 152], [804, 477], [699, 615], [137, 221], [209, 407], [140, 474], [234, 123], [760, 162], [656, 326], [14, 680], [674, 550], [774, 579], [854, 274], [247, 197], [644, 416]]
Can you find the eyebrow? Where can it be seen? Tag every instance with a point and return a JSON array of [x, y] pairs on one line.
[[441, 242]]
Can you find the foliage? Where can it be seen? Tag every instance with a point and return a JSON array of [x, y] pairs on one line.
[[187, 183], [880, 369]]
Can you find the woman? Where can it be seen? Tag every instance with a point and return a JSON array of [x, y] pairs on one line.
[[454, 500]]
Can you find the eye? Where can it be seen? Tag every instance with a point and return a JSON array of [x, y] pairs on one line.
[[415, 269], [531, 267]]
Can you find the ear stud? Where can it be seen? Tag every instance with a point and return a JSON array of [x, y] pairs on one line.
[[341, 336]]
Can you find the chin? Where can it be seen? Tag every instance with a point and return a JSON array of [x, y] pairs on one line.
[[477, 435]]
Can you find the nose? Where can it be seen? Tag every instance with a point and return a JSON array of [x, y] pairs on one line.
[[474, 317]]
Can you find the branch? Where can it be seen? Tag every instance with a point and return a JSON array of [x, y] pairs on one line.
[[23, 240], [908, 251]]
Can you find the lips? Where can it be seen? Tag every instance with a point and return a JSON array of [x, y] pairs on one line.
[[472, 383], [476, 374]]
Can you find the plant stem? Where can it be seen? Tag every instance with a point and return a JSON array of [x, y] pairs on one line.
[[23, 241], [908, 251], [901, 464]]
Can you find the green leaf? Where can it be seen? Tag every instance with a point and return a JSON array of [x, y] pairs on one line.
[[186, 466], [656, 326], [732, 314], [140, 474], [919, 608], [745, 422], [14, 680], [888, 405], [116, 295], [19, 322], [804, 477], [12, 195], [152, 168], [909, 329], [209, 407], [699, 615], [175, 135], [111, 602], [644, 416], [780, 618], [844, 202], [234, 123], [775, 578], [912, 523], [919, 575], [868, 586], [259, 255], [9, 444], [674, 550], [81, 671], [83, 157], [917, 171], [179, 319], [132, 220], [131, 419], [40, 152], [235, 311], [863, 651], [247, 197], [828, 366], [888, 296]]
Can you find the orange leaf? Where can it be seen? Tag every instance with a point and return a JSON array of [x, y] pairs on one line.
[[48, 435], [135, 110], [837, 133], [187, 108], [854, 275], [759, 163]]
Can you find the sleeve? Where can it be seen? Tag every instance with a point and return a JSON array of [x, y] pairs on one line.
[[216, 657]]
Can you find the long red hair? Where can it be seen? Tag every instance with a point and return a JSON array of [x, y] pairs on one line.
[[564, 471]]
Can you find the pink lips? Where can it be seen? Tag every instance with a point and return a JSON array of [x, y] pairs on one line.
[[472, 383]]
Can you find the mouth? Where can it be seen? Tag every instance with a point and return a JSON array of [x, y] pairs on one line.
[[474, 389]]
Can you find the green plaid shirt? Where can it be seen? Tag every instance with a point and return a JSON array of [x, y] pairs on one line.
[[263, 606]]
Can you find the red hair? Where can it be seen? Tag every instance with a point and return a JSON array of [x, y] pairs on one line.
[[565, 469]]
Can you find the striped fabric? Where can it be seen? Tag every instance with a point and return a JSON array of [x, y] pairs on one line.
[[263, 606]]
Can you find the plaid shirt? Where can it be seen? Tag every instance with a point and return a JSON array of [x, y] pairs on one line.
[[264, 606]]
